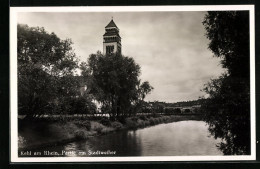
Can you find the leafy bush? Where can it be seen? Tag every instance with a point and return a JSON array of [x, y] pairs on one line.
[[187, 111], [143, 117], [80, 134], [134, 119], [130, 123], [156, 115], [160, 120], [166, 119], [105, 121], [152, 121], [177, 110], [97, 126], [140, 123], [147, 123], [83, 124], [117, 125]]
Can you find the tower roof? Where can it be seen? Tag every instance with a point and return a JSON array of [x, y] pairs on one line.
[[111, 34], [111, 24]]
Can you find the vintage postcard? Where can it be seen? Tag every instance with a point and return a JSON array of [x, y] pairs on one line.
[[150, 83]]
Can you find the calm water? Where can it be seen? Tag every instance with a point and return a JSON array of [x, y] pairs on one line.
[[172, 139]]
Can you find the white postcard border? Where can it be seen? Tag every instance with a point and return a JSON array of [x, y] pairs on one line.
[[13, 82]]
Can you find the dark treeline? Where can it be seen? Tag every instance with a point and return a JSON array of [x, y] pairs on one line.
[[180, 104], [173, 108]]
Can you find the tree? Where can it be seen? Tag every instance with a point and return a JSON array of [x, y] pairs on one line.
[[227, 110], [114, 81], [228, 33], [46, 65], [82, 105]]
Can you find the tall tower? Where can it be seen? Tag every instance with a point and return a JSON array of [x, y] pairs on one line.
[[111, 39]]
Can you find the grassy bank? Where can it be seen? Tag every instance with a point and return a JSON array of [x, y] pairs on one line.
[[45, 132]]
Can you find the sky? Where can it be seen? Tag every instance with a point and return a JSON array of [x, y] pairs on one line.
[[170, 47]]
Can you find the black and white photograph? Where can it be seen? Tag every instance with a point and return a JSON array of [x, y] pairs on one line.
[[159, 83]]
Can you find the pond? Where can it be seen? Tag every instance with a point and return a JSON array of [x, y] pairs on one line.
[[184, 138]]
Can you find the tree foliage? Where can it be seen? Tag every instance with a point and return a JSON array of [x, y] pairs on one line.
[[227, 110], [46, 68], [228, 33], [114, 81]]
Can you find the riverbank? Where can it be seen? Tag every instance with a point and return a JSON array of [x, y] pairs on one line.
[[46, 132]]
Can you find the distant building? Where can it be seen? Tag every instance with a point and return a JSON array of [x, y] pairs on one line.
[[111, 39]]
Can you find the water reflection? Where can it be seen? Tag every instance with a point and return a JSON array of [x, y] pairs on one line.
[[124, 143], [180, 138], [173, 139]]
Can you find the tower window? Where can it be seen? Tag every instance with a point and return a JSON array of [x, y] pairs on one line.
[[109, 49]]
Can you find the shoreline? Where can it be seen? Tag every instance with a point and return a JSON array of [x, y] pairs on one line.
[[44, 133]]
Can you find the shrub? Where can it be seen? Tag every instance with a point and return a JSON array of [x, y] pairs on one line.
[[87, 125], [83, 124], [143, 117], [152, 121], [134, 119], [80, 134], [97, 126], [121, 120], [187, 111], [117, 125], [147, 123], [166, 119], [160, 120], [130, 123], [105, 121], [140, 123], [156, 120], [177, 110]]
